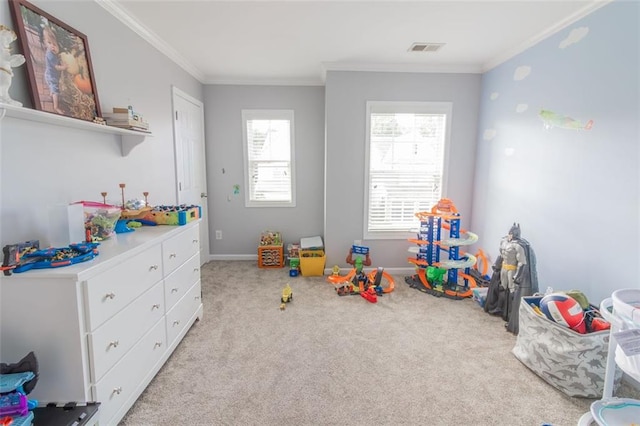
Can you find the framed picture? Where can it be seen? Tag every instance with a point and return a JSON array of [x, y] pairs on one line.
[[58, 63]]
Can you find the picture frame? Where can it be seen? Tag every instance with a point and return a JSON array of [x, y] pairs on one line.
[[60, 73]]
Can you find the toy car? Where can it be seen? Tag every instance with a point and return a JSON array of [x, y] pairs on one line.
[[287, 294]]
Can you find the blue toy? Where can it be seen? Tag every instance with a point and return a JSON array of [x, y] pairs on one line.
[[56, 257]]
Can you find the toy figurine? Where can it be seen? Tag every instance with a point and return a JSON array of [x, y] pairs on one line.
[[7, 62], [360, 279], [514, 276], [287, 296]]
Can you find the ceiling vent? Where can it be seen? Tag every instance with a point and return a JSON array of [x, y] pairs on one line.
[[425, 47]]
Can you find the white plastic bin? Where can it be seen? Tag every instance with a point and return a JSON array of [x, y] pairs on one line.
[[626, 307]]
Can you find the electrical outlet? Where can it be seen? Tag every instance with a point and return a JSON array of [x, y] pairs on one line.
[[218, 234]]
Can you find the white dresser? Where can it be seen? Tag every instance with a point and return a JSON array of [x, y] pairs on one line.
[[102, 329]]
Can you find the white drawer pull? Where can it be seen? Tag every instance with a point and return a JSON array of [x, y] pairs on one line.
[[157, 345], [117, 390], [115, 343], [153, 267], [174, 290], [176, 323], [194, 241], [109, 296], [196, 269], [172, 255], [155, 306], [197, 298]]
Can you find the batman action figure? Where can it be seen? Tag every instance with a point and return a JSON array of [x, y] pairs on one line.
[[514, 276]]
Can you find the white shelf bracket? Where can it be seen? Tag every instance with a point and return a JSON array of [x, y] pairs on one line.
[[129, 142]]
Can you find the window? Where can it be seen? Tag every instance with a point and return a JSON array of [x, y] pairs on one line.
[[405, 164], [269, 170]]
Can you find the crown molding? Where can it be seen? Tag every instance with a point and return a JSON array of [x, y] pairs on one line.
[[123, 16], [264, 82], [576, 16], [390, 67]]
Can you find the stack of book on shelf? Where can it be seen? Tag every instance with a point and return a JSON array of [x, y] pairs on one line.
[[126, 118]]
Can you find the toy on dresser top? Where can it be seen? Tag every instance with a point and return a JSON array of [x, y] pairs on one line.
[[22, 257], [174, 215]]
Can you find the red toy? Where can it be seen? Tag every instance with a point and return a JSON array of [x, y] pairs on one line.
[[370, 295]]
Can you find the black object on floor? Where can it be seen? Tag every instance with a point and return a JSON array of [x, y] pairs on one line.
[[68, 415]]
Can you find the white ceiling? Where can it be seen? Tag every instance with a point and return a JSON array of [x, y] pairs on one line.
[[297, 41]]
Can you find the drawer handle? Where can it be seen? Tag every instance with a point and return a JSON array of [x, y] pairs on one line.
[[172, 255], [155, 306], [115, 343], [197, 297], [109, 296], [174, 290], [117, 390], [196, 269], [194, 241], [153, 267], [176, 323], [157, 345]]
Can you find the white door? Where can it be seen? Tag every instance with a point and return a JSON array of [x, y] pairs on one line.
[[191, 173]]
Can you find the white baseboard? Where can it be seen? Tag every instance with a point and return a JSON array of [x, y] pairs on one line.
[[327, 271], [233, 257]]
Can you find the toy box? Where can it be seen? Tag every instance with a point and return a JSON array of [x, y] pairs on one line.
[[312, 262], [571, 362], [174, 215], [270, 256]]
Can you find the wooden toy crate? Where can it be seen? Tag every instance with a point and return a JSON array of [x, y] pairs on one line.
[[270, 256]]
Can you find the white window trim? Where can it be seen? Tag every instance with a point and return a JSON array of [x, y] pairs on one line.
[[399, 107], [268, 114]]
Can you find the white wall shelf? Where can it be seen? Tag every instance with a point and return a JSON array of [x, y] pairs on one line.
[[129, 138]]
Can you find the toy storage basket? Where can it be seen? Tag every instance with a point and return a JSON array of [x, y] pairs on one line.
[[571, 362]]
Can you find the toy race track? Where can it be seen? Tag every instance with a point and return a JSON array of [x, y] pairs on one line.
[[430, 243], [369, 286]]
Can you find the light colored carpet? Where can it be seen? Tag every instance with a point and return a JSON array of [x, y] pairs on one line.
[[410, 359]]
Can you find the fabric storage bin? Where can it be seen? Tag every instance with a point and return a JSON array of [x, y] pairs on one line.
[[571, 362]]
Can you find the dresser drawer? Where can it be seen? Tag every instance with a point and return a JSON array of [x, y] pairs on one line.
[[114, 289], [122, 381], [181, 280], [178, 317], [109, 342], [179, 248]]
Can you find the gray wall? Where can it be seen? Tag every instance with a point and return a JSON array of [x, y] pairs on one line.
[[346, 97], [574, 192], [241, 226], [44, 165]]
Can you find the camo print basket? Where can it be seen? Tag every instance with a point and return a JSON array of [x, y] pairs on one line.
[[573, 363]]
